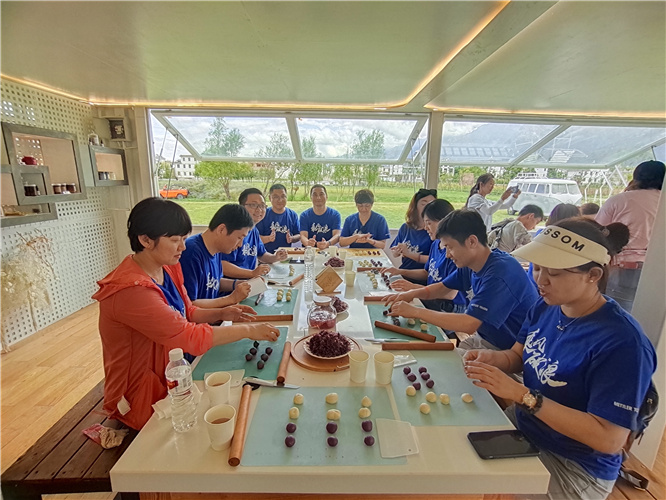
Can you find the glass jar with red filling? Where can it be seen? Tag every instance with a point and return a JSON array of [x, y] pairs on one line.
[[322, 315]]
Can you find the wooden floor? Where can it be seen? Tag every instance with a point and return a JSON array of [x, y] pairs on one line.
[[46, 374]]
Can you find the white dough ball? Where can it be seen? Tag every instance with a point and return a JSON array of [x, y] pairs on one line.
[[298, 399], [467, 398], [333, 414], [411, 321], [444, 399], [431, 397], [364, 412], [424, 327], [410, 390], [366, 401], [332, 398], [424, 408], [294, 413]]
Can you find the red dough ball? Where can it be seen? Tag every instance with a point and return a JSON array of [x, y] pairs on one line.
[[332, 441], [290, 441], [369, 440]]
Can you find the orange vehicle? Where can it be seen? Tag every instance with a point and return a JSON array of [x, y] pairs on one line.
[[179, 193]]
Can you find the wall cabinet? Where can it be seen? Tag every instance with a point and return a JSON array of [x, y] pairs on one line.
[[109, 167], [45, 164]]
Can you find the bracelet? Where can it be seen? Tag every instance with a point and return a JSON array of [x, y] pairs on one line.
[[233, 285]]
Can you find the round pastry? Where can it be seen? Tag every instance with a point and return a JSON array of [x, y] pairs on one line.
[[424, 408]]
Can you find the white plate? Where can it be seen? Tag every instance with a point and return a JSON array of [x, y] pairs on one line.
[[306, 348]]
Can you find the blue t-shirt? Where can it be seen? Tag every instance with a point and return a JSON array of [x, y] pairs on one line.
[[376, 226], [246, 255], [417, 240], [280, 223], [500, 296], [599, 364], [201, 270], [439, 266], [172, 295], [320, 227]]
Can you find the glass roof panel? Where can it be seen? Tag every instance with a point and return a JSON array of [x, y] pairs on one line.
[[235, 136], [355, 139], [588, 145], [495, 143]]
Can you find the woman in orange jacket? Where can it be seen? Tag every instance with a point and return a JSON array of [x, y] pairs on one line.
[[145, 312]]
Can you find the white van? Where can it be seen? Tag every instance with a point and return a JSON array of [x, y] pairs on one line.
[[545, 193]]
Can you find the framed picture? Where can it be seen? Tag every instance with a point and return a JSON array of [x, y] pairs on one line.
[[118, 131]]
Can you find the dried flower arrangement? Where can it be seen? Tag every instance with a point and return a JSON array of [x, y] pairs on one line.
[[25, 275]]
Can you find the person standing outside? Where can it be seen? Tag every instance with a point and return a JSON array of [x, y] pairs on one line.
[[242, 262], [280, 227], [320, 225], [509, 234], [364, 229], [485, 208], [201, 261], [636, 208], [413, 241]]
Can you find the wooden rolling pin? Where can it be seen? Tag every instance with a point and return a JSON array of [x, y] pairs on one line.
[[362, 269], [406, 331], [417, 346], [297, 279], [374, 298], [284, 363], [272, 317], [238, 441]]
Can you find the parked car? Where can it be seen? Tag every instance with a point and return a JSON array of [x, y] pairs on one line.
[[179, 193], [545, 193]]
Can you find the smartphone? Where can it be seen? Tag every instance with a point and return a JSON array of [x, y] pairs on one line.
[[514, 189], [502, 444]]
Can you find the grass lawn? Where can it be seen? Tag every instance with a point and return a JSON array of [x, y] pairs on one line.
[[201, 211]]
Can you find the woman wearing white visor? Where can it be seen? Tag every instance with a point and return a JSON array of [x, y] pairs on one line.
[[586, 363]]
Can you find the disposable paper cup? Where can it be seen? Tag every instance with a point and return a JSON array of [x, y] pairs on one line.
[[342, 253], [217, 386], [383, 367], [358, 365], [350, 277], [333, 251], [220, 422], [349, 265]]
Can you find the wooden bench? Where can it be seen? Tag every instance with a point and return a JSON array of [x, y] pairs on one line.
[[64, 460]]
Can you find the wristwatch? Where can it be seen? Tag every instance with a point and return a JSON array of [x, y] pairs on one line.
[[532, 401]]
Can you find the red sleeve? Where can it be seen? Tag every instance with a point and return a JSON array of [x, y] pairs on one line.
[[176, 273], [145, 310]]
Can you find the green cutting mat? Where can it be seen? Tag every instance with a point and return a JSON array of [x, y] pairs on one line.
[[264, 445], [270, 305], [376, 314], [232, 357], [445, 368]]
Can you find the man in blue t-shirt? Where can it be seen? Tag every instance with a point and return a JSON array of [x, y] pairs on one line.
[[499, 292], [242, 262], [320, 225], [201, 261], [279, 228], [364, 229]]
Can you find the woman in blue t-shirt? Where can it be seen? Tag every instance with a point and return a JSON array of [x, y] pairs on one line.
[[575, 341], [413, 241], [364, 229], [437, 266]]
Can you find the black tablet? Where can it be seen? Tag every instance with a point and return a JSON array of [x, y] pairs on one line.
[[502, 444]]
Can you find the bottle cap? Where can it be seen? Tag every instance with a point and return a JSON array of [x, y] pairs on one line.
[[175, 354]]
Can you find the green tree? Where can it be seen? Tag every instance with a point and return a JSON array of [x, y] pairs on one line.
[[368, 146], [307, 173], [165, 171], [221, 173], [279, 146], [223, 141]]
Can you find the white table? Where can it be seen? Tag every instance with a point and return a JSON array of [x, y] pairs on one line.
[[160, 460]]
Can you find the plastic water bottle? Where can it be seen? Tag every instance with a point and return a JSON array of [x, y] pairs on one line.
[[308, 283], [179, 382]]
